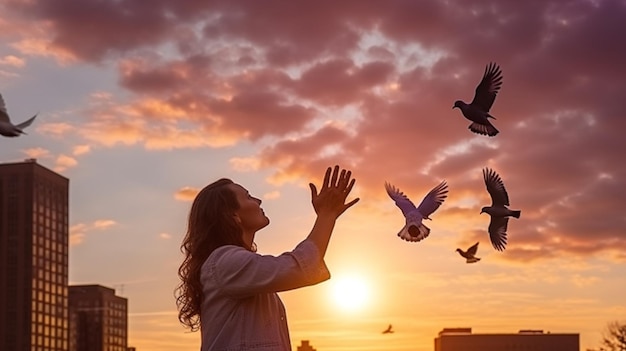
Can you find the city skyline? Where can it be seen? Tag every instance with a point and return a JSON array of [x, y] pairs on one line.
[[39, 310], [142, 104]]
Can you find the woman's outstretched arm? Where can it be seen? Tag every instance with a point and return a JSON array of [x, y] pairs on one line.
[[329, 204]]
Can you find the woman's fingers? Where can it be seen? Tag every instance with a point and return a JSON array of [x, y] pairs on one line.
[[340, 180], [338, 183], [349, 204], [325, 184], [335, 174], [313, 190], [349, 188], [345, 179]]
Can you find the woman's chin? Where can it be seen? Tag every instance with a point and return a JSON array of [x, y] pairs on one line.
[[267, 222]]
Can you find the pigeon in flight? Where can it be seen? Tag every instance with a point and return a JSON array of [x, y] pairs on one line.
[[388, 330], [6, 127], [414, 230], [470, 254], [478, 110], [498, 210]]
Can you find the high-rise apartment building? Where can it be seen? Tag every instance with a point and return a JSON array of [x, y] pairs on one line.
[[33, 258], [99, 319], [462, 339]]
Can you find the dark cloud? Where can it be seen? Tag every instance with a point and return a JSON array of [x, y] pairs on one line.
[[340, 82], [261, 114], [93, 29]]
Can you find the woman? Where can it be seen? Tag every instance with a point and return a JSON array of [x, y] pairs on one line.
[[228, 291]]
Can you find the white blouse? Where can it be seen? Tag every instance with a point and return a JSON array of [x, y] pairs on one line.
[[241, 309]]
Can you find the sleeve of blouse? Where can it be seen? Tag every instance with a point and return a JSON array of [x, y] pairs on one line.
[[237, 272]]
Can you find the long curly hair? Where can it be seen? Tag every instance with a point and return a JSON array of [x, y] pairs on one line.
[[211, 225]]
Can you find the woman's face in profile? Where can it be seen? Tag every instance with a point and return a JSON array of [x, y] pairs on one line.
[[250, 214]]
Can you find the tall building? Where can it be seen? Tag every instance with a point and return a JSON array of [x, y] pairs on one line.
[[99, 319], [33, 258], [462, 339]]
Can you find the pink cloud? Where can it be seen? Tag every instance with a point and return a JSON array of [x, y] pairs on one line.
[[13, 61], [42, 47], [272, 73], [74, 21], [186, 193], [79, 231], [81, 150], [340, 82], [103, 223], [142, 75], [165, 236], [36, 152], [64, 162], [56, 129]]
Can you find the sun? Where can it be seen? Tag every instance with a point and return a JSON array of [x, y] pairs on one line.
[[350, 292]]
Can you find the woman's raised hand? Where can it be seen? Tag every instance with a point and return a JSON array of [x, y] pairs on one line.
[[331, 199]]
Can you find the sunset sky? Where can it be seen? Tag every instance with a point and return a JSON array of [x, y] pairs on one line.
[[142, 103]]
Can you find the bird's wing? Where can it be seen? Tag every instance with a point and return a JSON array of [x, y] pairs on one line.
[[403, 202], [495, 187], [26, 123], [497, 232], [473, 249], [4, 116], [433, 199], [488, 88]]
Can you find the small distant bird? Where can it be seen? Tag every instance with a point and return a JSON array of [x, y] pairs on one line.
[[478, 110], [6, 127], [414, 230], [498, 210], [470, 254], [388, 330]]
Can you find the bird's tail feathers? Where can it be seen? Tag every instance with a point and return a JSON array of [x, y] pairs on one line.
[[424, 230], [472, 259], [414, 232], [483, 129], [516, 214]]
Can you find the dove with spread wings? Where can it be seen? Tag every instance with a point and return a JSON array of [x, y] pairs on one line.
[[498, 210], [470, 254], [478, 110], [388, 330], [7, 128], [414, 229]]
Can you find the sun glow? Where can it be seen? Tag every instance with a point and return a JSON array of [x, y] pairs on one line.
[[350, 293]]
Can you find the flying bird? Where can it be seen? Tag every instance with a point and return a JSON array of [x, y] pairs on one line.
[[478, 110], [7, 128], [498, 210], [414, 230], [388, 330], [470, 254]]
